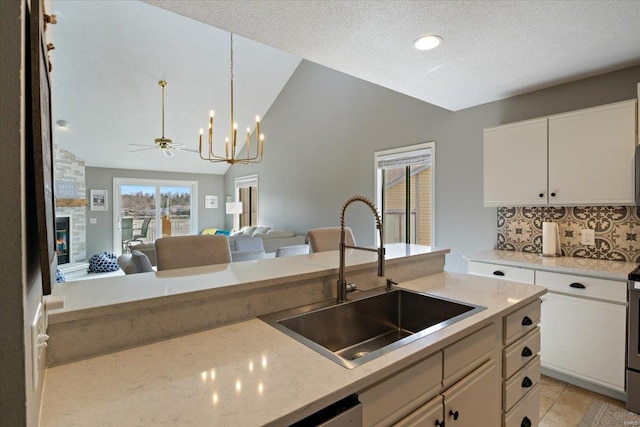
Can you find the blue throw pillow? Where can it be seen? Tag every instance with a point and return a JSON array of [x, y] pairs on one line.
[[103, 262], [60, 276], [223, 232]]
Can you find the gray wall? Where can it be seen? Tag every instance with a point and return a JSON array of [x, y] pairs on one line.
[[323, 129], [321, 133], [21, 288], [100, 235]]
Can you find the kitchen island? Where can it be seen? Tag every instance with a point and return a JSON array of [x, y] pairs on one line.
[[249, 374]]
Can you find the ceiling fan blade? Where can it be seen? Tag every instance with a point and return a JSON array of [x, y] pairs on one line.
[[140, 149], [168, 153], [191, 150], [143, 145]]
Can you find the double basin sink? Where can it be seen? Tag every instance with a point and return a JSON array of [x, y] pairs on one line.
[[358, 331]]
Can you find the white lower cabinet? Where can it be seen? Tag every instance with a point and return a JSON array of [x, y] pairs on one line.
[[469, 403], [430, 414], [584, 338], [456, 385], [466, 403]]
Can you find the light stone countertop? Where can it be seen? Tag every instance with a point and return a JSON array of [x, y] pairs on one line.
[[114, 294], [248, 373], [615, 270]]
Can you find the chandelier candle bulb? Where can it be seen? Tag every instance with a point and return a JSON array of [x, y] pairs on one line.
[[200, 141], [226, 146]]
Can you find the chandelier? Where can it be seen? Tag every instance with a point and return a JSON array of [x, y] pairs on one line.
[[230, 143]]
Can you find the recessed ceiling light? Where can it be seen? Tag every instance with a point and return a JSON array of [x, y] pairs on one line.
[[427, 42]]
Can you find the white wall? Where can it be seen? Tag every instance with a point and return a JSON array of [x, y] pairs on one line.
[[323, 129]]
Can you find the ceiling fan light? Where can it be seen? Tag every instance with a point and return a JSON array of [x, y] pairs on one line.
[[427, 42]]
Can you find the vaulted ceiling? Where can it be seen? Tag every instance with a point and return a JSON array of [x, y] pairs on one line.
[[110, 55]]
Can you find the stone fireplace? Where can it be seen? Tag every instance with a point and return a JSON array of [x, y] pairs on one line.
[[71, 194]]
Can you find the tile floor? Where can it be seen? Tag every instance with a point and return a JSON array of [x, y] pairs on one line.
[[564, 405]]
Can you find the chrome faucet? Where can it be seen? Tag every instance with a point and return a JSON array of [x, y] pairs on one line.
[[342, 283]]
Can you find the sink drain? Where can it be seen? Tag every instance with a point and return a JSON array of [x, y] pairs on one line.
[[359, 354]]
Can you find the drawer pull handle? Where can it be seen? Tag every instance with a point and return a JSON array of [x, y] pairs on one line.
[[439, 423], [526, 352], [498, 273], [577, 285], [526, 382], [526, 422], [454, 415], [526, 321]]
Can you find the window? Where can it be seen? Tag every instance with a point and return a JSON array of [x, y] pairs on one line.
[[405, 193], [247, 194], [146, 209]]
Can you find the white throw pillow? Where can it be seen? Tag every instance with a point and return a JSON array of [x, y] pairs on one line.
[[260, 231], [273, 234]]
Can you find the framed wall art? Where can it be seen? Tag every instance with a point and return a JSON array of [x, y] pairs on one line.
[[98, 200]]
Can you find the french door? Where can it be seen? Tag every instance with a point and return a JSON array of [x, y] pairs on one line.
[[147, 209]]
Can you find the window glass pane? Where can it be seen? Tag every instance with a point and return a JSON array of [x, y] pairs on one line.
[[138, 203], [394, 188], [421, 205], [175, 210]]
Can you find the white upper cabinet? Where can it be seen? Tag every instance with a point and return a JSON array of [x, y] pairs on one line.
[[515, 164], [579, 158]]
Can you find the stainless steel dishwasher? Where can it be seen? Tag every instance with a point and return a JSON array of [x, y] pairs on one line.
[[344, 413]]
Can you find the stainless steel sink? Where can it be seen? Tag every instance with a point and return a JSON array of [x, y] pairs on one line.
[[355, 332]]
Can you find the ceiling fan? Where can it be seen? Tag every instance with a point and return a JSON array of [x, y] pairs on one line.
[[164, 144]]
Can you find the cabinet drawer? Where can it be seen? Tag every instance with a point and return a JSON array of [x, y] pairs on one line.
[[521, 383], [467, 354], [520, 352], [522, 321], [504, 272], [392, 399], [608, 290], [527, 409]]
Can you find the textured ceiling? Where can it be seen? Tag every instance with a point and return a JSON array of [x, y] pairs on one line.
[[110, 55], [491, 49]]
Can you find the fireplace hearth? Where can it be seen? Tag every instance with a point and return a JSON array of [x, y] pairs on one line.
[[63, 239]]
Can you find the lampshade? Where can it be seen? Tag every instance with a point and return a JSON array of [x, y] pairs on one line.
[[233, 208]]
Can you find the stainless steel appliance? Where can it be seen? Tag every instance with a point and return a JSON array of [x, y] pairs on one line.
[[633, 343]]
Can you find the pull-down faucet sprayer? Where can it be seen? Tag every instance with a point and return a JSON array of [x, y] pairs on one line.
[[342, 283]]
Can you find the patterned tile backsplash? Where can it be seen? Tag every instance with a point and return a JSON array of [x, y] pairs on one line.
[[617, 230]]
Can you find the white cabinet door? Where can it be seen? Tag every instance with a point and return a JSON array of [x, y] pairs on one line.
[[584, 339], [471, 402], [591, 155], [430, 414], [515, 164]]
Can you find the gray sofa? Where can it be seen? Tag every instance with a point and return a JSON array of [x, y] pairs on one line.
[[272, 239]]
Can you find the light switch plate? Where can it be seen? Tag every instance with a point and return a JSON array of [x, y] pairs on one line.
[[588, 237], [38, 343], [93, 220]]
